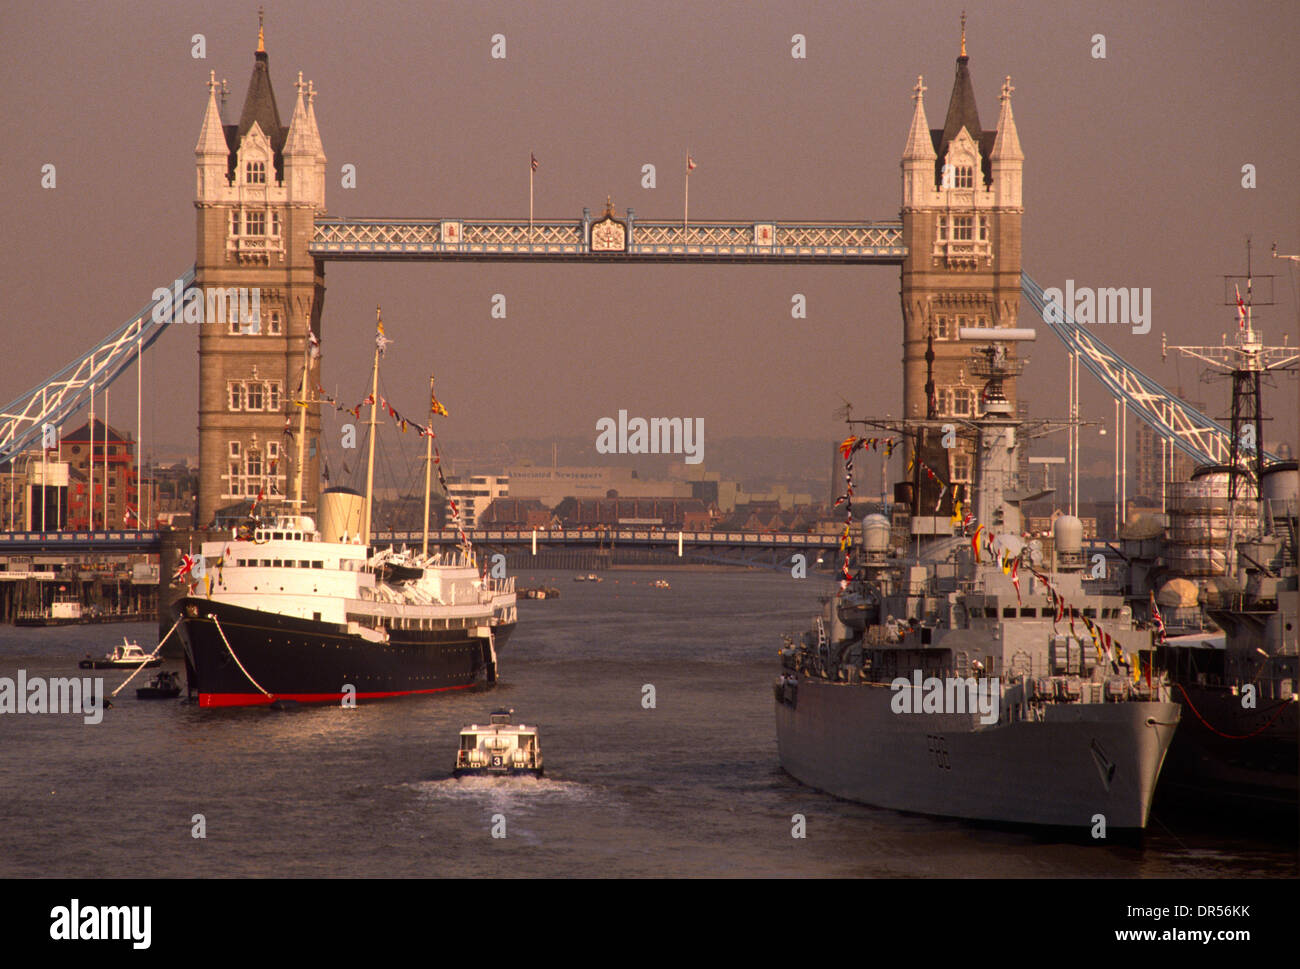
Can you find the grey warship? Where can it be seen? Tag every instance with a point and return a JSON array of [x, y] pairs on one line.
[[1047, 715]]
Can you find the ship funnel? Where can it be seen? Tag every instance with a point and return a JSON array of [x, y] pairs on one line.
[[340, 514]]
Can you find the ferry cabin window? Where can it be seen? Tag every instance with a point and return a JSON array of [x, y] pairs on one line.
[[1009, 612], [318, 565], [1027, 613], [990, 612], [468, 741], [1090, 612]]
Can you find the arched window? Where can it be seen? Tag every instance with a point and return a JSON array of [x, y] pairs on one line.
[[255, 173]]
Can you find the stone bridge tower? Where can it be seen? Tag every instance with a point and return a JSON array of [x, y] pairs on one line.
[[961, 224], [259, 187]]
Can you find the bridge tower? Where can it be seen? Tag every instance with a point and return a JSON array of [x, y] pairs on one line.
[[259, 187], [961, 218]]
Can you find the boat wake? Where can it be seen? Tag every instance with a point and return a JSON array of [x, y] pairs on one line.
[[503, 789]]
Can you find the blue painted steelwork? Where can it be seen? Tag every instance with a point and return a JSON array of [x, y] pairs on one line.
[[479, 240], [57, 398], [1200, 437]]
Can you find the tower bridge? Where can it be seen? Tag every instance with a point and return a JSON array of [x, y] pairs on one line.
[[263, 224]]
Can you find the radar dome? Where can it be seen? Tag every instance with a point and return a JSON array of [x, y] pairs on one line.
[[875, 533], [1067, 532], [1178, 594]]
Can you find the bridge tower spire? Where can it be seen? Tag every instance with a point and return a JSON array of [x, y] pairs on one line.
[[259, 187], [961, 214]]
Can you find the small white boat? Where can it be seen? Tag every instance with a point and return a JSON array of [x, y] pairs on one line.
[[498, 748], [125, 657], [589, 577], [660, 584]]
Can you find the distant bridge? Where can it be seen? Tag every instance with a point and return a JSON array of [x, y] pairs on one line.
[[151, 541]]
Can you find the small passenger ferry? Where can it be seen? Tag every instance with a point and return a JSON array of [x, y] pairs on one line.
[[498, 748]]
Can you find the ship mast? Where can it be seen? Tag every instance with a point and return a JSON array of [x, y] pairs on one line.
[[302, 430], [428, 470], [374, 422]]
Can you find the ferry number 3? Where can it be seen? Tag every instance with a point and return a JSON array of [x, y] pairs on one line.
[[939, 751]]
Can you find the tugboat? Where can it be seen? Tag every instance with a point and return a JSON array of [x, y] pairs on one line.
[[128, 656], [499, 748], [165, 686]]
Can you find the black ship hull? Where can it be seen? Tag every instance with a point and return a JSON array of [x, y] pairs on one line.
[[1229, 757], [236, 656]]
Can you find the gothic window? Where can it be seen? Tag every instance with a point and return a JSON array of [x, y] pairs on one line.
[[982, 321], [962, 402], [273, 396], [236, 392], [963, 228], [255, 173], [275, 223], [965, 176], [984, 228], [234, 222], [255, 223], [253, 470], [943, 328], [275, 322], [234, 449], [943, 228], [253, 395], [942, 402]]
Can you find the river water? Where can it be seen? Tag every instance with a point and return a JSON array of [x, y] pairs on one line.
[[690, 787]]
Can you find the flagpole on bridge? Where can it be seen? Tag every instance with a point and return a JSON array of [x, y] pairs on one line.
[[686, 208], [532, 167]]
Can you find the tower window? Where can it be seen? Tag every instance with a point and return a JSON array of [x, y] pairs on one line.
[[942, 402], [965, 176], [960, 465], [234, 222], [255, 223], [273, 397], [255, 173], [275, 223], [275, 322], [963, 228], [943, 328], [236, 392], [962, 401], [984, 228], [253, 395], [234, 449], [942, 234]]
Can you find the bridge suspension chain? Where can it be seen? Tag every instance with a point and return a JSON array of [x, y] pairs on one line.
[[1199, 437], [59, 397]]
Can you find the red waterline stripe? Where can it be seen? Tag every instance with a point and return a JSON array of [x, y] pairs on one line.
[[260, 699]]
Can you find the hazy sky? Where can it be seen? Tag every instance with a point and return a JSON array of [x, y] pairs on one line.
[[1132, 178]]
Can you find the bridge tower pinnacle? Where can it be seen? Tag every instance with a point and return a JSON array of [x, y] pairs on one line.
[[259, 186], [961, 214]]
